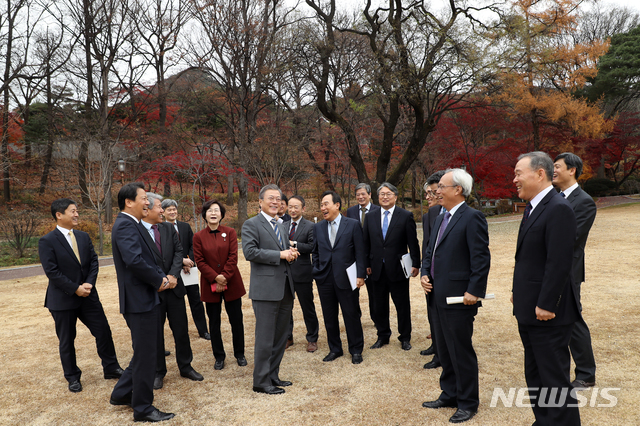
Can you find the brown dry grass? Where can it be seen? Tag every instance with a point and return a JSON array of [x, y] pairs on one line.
[[387, 389]]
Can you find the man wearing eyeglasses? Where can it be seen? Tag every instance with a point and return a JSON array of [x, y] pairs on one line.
[[266, 246], [457, 264], [428, 219], [388, 233]]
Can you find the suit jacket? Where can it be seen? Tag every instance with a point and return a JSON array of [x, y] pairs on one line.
[[544, 256], [170, 261], [139, 277], [585, 210], [64, 271], [462, 258], [401, 235], [301, 269], [260, 247], [348, 248], [186, 239], [354, 211], [428, 220], [218, 255]]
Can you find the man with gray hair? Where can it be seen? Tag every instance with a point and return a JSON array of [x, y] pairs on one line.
[[388, 234], [359, 212], [266, 246], [167, 250], [185, 233], [457, 264]]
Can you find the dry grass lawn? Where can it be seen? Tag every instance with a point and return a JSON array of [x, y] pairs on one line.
[[387, 389]]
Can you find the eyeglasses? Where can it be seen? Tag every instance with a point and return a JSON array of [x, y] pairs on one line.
[[441, 187], [386, 194], [272, 199], [430, 193]]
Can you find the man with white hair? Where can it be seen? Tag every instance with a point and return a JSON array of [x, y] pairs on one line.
[[457, 263]]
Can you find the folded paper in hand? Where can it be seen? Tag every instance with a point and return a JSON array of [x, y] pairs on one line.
[[352, 273], [406, 264], [192, 278], [460, 299]]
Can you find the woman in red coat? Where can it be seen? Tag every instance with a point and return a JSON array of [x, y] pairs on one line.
[[215, 249]]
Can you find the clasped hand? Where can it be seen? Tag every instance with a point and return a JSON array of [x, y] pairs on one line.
[[289, 255]]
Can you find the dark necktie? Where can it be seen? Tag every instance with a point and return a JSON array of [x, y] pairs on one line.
[[293, 230], [277, 231], [527, 211], [562, 193], [362, 214], [156, 236], [443, 226]]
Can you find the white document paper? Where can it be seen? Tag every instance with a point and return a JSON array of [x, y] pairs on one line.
[[406, 264], [460, 299], [352, 273], [192, 278]]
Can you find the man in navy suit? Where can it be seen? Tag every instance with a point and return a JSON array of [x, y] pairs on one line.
[[457, 263], [185, 233], [388, 234], [168, 255], [428, 220], [567, 169], [300, 232], [337, 244], [71, 264], [544, 297], [139, 282], [360, 212]]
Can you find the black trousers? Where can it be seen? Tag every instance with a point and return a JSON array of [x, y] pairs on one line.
[[459, 378], [91, 314], [197, 308], [136, 382], [272, 326], [430, 314], [173, 308], [304, 291], [546, 367], [333, 298], [234, 312], [581, 349], [399, 291]]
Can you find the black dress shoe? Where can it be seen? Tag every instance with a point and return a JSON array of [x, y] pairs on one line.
[[158, 382], [281, 383], [461, 416], [75, 386], [332, 356], [192, 375], [582, 384], [356, 358], [219, 365], [167, 353], [242, 361], [206, 336], [379, 343], [439, 403], [154, 416], [114, 374], [432, 364], [269, 390], [406, 346], [429, 351], [114, 401]]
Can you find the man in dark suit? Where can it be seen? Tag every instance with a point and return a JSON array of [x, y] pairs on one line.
[[428, 220], [457, 264], [283, 216], [139, 282], [300, 232], [266, 246], [544, 296], [185, 233], [359, 212], [337, 244], [388, 233], [165, 244], [567, 170], [71, 264]]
